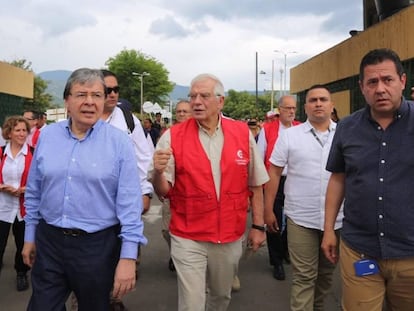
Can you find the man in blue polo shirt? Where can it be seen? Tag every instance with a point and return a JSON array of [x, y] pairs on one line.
[[372, 167]]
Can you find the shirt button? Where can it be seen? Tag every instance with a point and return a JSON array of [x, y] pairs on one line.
[[379, 128], [381, 179], [380, 216], [70, 177], [67, 197], [384, 143], [382, 234], [382, 161], [73, 160], [380, 198]]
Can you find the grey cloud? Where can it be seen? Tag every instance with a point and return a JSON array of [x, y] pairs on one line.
[[58, 19], [248, 8], [53, 17], [340, 17], [168, 27]]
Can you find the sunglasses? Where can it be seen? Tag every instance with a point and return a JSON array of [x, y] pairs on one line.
[[114, 89]]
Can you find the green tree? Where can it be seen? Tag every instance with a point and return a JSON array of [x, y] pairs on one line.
[[41, 100], [242, 105], [156, 85]]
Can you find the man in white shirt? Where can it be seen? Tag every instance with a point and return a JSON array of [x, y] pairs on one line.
[[277, 242], [115, 116], [305, 148]]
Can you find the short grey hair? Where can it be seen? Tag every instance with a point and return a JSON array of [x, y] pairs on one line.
[[218, 88], [83, 76]]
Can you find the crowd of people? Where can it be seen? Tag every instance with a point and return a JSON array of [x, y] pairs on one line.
[[319, 193]]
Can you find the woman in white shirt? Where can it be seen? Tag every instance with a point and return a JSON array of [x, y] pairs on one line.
[[15, 161]]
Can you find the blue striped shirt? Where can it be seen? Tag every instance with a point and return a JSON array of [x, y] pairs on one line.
[[90, 183]]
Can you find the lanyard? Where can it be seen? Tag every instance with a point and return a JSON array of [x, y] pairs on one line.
[[317, 137]]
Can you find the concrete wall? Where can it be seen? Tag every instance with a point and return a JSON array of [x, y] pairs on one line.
[[342, 61], [16, 81]]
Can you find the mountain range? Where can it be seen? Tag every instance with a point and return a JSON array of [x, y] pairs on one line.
[[56, 80]]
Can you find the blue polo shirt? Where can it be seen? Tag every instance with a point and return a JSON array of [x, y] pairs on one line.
[[379, 184]]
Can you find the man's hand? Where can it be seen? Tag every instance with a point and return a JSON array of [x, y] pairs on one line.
[[146, 204], [124, 280], [255, 239], [29, 253], [329, 246], [271, 221], [161, 158]]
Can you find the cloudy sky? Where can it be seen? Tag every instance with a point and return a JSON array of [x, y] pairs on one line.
[[188, 36]]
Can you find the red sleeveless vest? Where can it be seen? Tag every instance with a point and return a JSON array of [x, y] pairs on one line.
[[196, 212], [272, 133]]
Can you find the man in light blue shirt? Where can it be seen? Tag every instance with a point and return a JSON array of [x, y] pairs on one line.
[[83, 203]]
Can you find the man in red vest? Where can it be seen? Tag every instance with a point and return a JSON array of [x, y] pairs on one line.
[[277, 242], [208, 167], [32, 117]]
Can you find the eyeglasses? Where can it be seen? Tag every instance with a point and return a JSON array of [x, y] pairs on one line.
[[204, 96], [82, 96], [114, 89], [182, 111]]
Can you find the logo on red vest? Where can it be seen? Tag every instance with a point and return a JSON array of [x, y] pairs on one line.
[[240, 160]]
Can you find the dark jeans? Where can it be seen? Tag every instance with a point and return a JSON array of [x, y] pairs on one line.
[[18, 233], [277, 242], [84, 264]]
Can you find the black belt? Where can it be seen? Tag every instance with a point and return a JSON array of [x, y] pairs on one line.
[[67, 231], [73, 232]]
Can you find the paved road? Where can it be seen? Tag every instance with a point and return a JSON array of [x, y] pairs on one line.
[[156, 288]]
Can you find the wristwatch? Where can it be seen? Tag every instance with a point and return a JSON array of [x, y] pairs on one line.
[[261, 228]]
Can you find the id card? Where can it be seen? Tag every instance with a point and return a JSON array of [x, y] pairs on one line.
[[366, 267]]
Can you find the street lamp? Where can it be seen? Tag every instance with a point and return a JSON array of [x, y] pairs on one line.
[[141, 77], [272, 94], [285, 54]]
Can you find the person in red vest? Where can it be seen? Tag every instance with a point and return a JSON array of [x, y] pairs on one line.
[[15, 161], [33, 118], [208, 167], [277, 242]]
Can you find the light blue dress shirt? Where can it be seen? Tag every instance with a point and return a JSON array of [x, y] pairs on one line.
[[90, 184]]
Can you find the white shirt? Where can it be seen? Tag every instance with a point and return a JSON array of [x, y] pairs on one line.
[[307, 178], [12, 173], [142, 150]]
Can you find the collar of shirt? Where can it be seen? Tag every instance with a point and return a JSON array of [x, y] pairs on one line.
[[308, 126], [218, 127], [68, 123], [23, 151]]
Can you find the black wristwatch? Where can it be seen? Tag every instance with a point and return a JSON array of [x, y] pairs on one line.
[[149, 195], [261, 228]]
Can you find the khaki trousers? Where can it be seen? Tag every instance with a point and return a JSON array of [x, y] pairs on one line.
[[311, 271], [203, 264], [394, 285]]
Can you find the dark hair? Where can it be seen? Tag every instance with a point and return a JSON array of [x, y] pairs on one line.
[[82, 76], [377, 56], [35, 114], [10, 123], [108, 73], [319, 86]]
